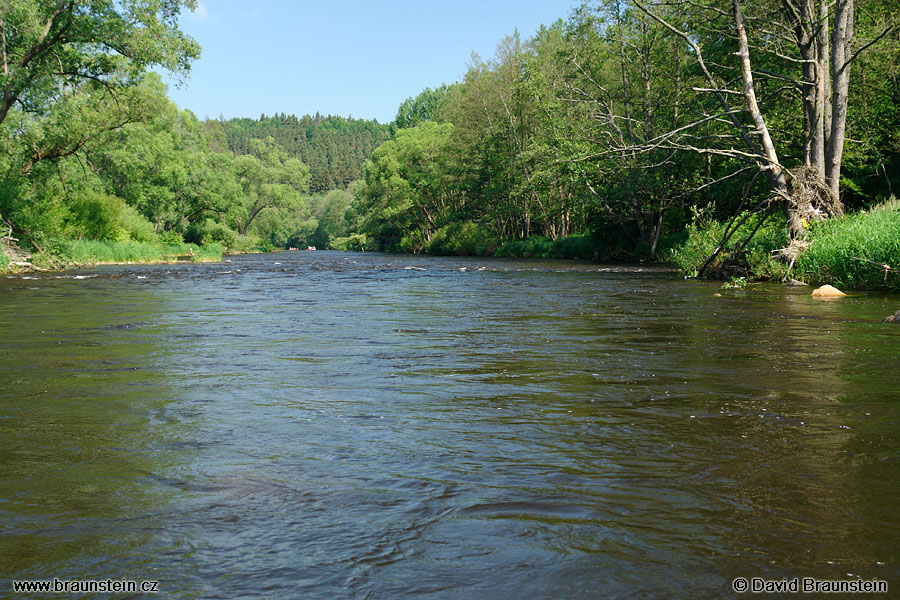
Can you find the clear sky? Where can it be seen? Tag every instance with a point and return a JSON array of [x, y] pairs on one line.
[[348, 58]]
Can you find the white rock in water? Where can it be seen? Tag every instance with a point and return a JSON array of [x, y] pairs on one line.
[[827, 291]]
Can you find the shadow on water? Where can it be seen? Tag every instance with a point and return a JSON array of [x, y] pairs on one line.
[[331, 425]]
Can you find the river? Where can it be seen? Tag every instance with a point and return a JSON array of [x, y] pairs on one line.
[[330, 425]]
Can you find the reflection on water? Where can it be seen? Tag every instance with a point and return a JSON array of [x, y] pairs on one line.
[[345, 425]]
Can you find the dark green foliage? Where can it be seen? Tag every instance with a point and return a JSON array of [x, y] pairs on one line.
[[533, 247], [576, 246], [754, 259], [613, 240], [334, 148], [462, 239]]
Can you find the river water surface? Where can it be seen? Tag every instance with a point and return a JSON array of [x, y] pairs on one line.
[[330, 425]]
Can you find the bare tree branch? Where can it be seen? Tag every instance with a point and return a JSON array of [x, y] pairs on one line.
[[871, 43]]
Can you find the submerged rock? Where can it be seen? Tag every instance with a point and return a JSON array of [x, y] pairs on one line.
[[827, 291], [894, 318], [794, 283]]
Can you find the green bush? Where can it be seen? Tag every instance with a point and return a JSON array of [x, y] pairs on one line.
[[411, 243], [171, 237], [4, 261], [357, 242], [533, 247], [574, 246], [102, 217], [98, 217], [755, 260], [462, 239], [135, 225], [839, 249], [211, 231]]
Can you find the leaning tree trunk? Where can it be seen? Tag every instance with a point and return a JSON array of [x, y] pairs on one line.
[[808, 195], [840, 77], [773, 168]]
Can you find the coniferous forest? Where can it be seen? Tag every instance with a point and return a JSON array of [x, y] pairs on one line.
[[750, 139]]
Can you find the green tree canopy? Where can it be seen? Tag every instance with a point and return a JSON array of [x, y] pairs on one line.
[[407, 191], [422, 108], [48, 44]]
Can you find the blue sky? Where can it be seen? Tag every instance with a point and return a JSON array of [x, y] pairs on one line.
[[343, 58]]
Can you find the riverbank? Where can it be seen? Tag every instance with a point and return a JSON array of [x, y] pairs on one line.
[[63, 254], [860, 251]]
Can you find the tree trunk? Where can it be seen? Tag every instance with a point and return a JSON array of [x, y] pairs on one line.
[[840, 77], [773, 167], [626, 96], [807, 43], [810, 24], [823, 100]]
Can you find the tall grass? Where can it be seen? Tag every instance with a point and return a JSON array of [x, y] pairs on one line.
[[840, 250], [4, 261], [96, 252]]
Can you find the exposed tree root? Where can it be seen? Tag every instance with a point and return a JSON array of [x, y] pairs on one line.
[[810, 200]]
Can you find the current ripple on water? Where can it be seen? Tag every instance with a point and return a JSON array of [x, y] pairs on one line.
[[327, 425]]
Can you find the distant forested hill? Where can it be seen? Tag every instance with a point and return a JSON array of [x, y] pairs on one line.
[[334, 148]]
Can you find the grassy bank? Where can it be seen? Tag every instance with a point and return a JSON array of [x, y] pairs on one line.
[[852, 252], [59, 254], [849, 253]]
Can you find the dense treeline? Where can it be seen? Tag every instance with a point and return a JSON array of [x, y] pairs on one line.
[[634, 123], [333, 147], [94, 157], [129, 166], [731, 138]]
